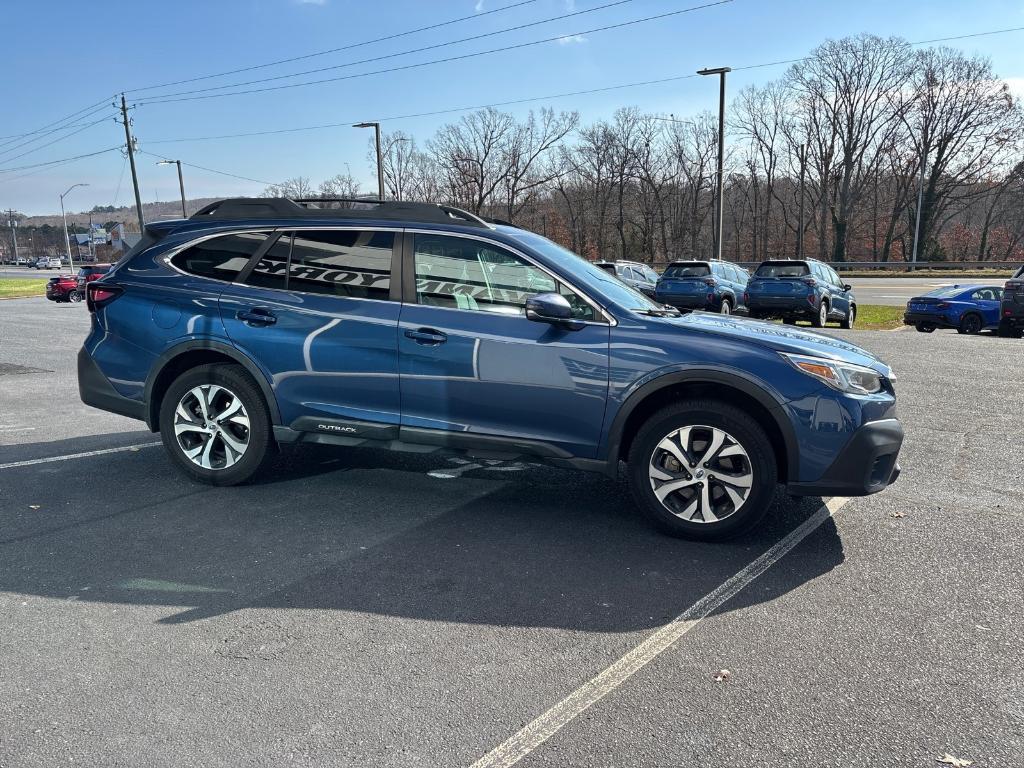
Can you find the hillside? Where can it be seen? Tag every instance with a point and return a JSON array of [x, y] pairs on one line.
[[126, 214]]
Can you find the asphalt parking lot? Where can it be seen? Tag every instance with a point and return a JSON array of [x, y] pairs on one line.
[[365, 608]]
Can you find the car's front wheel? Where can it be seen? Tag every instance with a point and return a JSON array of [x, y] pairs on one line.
[[215, 425], [851, 317], [702, 470], [74, 297], [970, 324]]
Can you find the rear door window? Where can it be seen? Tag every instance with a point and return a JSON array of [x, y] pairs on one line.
[[220, 258], [353, 263]]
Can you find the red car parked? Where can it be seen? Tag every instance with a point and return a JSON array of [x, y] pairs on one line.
[[89, 273], [63, 288]]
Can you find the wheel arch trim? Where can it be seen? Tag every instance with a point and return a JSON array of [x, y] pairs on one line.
[[727, 377], [207, 345]]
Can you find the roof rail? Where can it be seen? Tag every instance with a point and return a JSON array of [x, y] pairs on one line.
[[359, 208]]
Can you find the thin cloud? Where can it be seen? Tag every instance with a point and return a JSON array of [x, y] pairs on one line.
[[479, 6], [571, 39]]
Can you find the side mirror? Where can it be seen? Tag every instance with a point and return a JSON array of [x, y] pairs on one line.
[[847, 287], [552, 308]]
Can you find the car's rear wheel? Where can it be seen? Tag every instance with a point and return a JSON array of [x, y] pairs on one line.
[[851, 317], [924, 327], [726, 308], [970, 324], [820, 319], [215, 425], [74, 296], [702, 470]]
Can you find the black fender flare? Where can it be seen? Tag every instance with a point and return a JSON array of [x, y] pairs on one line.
[[729, 378], [227, 350]]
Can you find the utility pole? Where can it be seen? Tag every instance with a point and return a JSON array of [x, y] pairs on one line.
[[800, 232], [920, 200], [181, 184], [92, 251], [721, 72], [131, 159], [14, 233]]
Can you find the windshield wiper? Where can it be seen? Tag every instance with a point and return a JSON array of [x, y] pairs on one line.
[[664, 312]]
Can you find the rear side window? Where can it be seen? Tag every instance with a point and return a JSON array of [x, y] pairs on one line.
[[220, 258], [783, 269], [687, 270], [350, 263]]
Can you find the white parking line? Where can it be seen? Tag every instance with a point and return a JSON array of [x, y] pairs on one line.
[[572, 706], [86, 454]]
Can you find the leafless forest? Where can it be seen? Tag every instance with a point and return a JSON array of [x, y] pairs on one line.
[[857, 119]]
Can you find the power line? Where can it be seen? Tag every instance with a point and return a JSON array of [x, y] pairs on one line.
[[433, 113], [395, 36], [56, 162], [384, 57], [91, 109], [33, 133], [54, 141], [211, 170], [461, 57]]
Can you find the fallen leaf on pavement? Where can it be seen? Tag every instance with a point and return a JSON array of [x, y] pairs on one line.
[[33, 506], [722, 676], [957, 762], [897, 514]]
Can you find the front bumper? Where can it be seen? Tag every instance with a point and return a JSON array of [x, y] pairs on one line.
[[867, 464]]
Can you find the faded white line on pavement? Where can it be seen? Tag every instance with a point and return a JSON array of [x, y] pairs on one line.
[[576, 703], [84, 455]]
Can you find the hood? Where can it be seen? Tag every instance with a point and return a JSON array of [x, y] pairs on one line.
[[781, 338]]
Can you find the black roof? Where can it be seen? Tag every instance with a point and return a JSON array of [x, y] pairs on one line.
[[337, 208]]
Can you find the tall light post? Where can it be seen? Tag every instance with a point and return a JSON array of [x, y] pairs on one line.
[[63, 216], [181, 184], [721, 72], [380, 165], [920, 201]]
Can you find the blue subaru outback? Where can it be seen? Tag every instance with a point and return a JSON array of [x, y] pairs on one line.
[[262, 322]]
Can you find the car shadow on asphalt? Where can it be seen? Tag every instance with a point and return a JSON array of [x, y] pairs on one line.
[[370, 531]]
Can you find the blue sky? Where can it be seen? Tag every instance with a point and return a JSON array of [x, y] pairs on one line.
[[59, 56]]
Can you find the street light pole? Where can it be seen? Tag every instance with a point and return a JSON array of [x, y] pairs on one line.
[[64, 218], [920, 200], [721, 72], [181, 184], [380, 165]]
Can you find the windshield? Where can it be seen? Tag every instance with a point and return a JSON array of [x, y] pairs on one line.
[[610, 286], [687, 270], [782, 269]]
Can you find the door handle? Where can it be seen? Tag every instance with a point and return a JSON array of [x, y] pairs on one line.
[[258, 316], [426, 336]]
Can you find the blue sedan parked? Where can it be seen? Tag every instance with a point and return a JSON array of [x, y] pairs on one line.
[[968, 308]]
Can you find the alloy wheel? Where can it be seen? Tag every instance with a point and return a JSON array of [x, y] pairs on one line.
[[823, 313], [700, 474], [211, 426], [726, 308]]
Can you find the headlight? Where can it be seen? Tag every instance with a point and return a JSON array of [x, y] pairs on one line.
[[846, 377]]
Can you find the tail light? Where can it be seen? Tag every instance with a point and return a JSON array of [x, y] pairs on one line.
[[942, 305], [746, 297], [710, 281], [98, 295], [810, 281]]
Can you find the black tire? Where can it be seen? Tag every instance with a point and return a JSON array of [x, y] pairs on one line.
[[726, 308], [74, 297], [821, 317], [258, 452], [851, 317], [711, 414], [970, 324], [1007, 331], [924, 327]]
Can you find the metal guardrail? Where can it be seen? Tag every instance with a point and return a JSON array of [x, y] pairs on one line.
[[893, 266]]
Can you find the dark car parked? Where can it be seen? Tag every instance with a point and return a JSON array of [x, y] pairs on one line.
[[634, 274], [715, 286], [1011, 310], [969, 309], [800, 290], [410, 326]]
